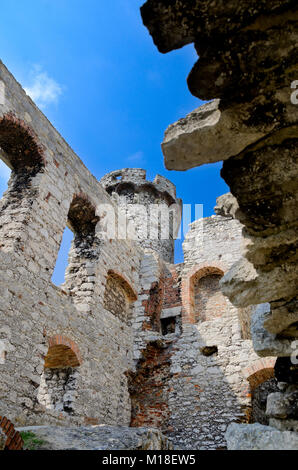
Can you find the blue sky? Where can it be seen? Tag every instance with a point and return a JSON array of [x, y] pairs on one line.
[[93, 69]]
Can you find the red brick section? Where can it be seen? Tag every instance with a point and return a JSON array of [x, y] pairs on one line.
[[259, 372], [14, 440], [149, 387], [172, 288], [153, 305], [209, 302], [63, 352], [188, 287], [163, 294]]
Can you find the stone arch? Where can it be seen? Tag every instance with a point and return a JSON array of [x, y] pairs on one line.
[[261, 382], [24, 155], [82, 218], [259, 371], [85, 247], [198, 272], [23, 152], [119, 296], [62, 352], [58, 385]]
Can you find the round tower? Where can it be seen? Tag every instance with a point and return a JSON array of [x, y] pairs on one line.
[[151, 206]]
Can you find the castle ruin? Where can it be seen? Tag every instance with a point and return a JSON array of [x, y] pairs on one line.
[[132, 339]]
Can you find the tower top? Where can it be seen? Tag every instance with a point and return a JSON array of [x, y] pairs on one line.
[[116, 180], [129, 187]]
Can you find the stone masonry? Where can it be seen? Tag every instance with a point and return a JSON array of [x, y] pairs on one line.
[[247, 72], [130, 339], [50, 188]]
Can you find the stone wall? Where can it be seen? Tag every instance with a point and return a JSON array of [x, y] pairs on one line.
[[246, 71], [208, 387], [50, 188], [200, 385], [146, 206], [129, 338]]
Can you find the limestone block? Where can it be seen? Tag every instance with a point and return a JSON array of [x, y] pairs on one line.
[[226, 205], [265, 343], [283, 405], [206, 135], [259, 437], [99, 438]]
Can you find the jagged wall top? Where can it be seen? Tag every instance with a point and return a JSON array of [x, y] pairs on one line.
[[137, 177]]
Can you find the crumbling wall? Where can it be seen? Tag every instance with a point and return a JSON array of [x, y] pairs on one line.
[[49, 189], [149, 387], [247, 61], [208, 389], [146, 206], [58, 389], [198, 365]]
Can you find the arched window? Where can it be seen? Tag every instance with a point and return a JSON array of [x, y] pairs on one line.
[[82, 222], [58, 385], [119, 297], [207, 300], [21, 152], [262, 382]]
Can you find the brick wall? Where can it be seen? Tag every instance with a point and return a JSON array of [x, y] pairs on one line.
[[149, 387], [14, 440], [209, 302]]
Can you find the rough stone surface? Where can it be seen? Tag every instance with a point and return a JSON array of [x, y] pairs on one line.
[[260, 401], [208, 135], [247, 60], [99, 438], [265, 343], [247, 66], [226, 205], [283, 405], [211, 246], [144, 202], [173, 384], [51, 189], [259, 437], [130, 339]]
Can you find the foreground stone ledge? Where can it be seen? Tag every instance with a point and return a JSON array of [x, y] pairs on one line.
[[98, 438], [208, 135], [259, 437], [265, 343], [245, 286]]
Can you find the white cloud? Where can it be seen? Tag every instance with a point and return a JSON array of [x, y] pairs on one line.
[[44, 90], [136, 157], [4, 171]]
